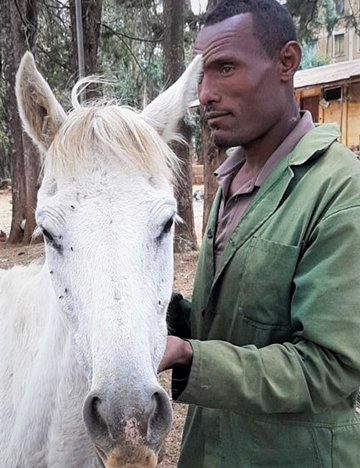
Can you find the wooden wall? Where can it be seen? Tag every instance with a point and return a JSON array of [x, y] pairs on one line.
[[345, 112]]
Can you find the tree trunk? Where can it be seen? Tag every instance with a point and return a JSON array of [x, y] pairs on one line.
[[174, 10], [91, 21], [211, 156], [16, 158], [185, 236], [12, 26], [5, 46], [23, 23]]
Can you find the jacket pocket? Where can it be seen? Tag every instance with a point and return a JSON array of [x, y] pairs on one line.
[[267, 282], [346, 446], [291, 446]]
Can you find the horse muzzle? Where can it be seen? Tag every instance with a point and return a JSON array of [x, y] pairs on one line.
[[128, 432]]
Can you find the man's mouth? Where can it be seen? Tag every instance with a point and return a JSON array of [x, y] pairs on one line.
[[213, 116]]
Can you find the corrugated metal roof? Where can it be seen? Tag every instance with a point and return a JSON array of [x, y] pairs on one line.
[[327, 74]]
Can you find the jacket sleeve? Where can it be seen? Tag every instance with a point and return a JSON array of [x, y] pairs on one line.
[[178, 316], [320, 366]]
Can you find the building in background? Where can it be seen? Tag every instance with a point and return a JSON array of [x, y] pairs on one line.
[[332, 94], [340, 39]]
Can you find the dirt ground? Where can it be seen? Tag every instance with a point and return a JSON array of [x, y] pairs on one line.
[[184, 275]]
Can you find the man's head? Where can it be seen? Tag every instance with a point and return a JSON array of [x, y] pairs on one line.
[[250, 56], [273, 25]]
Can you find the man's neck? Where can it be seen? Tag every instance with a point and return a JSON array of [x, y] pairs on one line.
[[258, 152]]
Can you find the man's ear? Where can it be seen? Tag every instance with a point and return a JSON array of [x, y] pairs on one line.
[[290, 57]]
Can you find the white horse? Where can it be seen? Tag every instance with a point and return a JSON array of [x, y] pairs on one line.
[[81, 337]]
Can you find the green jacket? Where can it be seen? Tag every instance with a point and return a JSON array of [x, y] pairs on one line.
[[276, 331]]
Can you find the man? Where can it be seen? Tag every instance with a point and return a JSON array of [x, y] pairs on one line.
[[270, 363]]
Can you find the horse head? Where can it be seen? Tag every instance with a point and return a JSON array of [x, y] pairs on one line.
[[106, 210]]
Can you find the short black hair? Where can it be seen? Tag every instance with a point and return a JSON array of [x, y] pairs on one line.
[[273, 25]]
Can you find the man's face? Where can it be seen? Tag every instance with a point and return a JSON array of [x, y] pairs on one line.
[[240, 87]]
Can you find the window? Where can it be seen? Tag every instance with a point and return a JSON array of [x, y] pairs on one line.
[[339, 7], [339, 45], [332, 94]]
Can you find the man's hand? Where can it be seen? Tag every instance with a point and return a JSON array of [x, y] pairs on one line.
[[178, 353]]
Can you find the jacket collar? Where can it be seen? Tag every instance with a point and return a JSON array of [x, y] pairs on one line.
[[315, 142], [233, 162], [311, 146]]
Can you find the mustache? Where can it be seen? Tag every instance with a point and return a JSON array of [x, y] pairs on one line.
[[212, 113]]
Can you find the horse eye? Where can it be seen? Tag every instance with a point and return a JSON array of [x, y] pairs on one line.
[[168, 226], [166, 229], [48, 236]]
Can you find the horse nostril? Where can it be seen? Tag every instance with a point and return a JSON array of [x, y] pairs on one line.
[[160, 419], [109, 421], [92, 416]]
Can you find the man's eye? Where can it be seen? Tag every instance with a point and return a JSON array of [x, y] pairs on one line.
[[226, 69], [200, 78]]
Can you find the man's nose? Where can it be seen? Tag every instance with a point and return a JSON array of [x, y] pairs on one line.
[[207, 91]]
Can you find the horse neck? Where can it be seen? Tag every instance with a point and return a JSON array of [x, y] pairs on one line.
[[34, 313], [42, 364]]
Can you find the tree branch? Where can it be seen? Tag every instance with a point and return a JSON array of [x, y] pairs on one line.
[[53, 59], [119, 34]]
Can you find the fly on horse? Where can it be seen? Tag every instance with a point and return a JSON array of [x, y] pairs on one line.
[[82, 335]]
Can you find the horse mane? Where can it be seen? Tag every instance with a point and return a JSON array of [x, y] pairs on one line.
[[103, 130]]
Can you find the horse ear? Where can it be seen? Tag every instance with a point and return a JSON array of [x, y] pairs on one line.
[[39, 110], [165, 111]]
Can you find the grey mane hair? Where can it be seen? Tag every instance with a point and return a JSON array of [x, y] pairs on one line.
[[101, 130]]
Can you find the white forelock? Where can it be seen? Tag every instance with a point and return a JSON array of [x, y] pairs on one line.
[[111, 134]]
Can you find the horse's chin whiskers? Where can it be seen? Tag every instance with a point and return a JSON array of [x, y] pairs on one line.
[[101, 455]]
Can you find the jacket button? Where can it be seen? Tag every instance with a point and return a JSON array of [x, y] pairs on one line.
[[209, 234], [203, 313]]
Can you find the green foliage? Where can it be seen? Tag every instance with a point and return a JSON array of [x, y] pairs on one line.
[[54, 50], [311, 58], [130, 49], [306, 17], [330, 16]]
